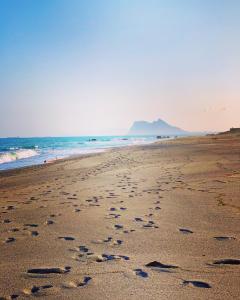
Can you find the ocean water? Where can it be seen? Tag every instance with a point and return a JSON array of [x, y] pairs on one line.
[[21, 152]]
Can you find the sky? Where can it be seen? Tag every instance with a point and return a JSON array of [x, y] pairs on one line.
[[93, 67]]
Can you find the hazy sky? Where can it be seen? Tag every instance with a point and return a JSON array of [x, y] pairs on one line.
[[72, 67]]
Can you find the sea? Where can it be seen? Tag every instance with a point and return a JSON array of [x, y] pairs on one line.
[[20, 152]]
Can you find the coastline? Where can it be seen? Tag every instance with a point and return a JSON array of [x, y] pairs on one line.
[[146, 221], [83, 155], [44, 155]]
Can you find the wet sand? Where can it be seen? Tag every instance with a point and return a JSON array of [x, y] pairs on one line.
[[148, 222]]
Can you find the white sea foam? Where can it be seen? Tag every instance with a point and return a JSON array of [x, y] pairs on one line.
[[15, 155]]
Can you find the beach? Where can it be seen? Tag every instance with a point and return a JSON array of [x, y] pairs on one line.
[[157, 221]]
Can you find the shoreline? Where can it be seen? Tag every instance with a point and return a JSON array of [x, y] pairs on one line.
[[78, 156], [22, 153], [156, 221]]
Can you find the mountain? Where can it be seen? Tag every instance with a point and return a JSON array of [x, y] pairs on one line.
[[158, 127]]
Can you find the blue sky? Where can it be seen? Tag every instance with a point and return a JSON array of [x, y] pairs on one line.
[[93, 67]]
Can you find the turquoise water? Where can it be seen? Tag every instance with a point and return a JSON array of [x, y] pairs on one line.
[[21, 152]]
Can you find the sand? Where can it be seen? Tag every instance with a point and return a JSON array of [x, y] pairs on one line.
[[146, 222]]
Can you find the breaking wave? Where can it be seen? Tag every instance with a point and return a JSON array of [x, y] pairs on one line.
[[15, 155]]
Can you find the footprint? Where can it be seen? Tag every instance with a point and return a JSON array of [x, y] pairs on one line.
[[36, 289], [113, 257], [86, 280], [156, 264], [34, 233], [228, 261], [224, 238], [185, 231], [128, 231], [108, 239], [117, 242], [31, 225], [9, 297], [91, 257], [6, 221], [115, 216], [49, 222], [195, 283], [66, 238], [150, 224], [138, 219], [49, 270], [14, 230], [10, 240], [141, 273], [117, 226], [123, 208], [83, 249], [149, 215], [9, 207]]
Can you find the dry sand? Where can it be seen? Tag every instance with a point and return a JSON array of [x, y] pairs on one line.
[[148, 222]]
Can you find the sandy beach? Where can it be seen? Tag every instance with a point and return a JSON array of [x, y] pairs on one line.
[[159, 221]]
